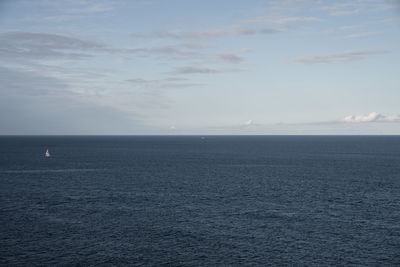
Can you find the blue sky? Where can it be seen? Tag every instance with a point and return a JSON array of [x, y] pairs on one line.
[[200, 67]]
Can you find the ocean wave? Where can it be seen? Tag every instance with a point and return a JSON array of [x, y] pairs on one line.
[[50, 171]]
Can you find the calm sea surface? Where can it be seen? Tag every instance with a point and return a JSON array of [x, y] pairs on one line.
[[190, 201]]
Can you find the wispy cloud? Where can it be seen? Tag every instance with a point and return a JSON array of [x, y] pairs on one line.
[[65, 11], [166, 50], [228, 58], [349, 27], [394, 4], [41, 46], [194, 70], [187, 70], [28, 83], [343, 9], [92, 7], [26, 97], [337, 57], [287, 20], [199, 35], [349, 8], [372, 117], [196, 46], [171, 82], [280, 21], [207, 34], [362, 35], [269, 31], [340, 13], [78, 7], [30, 45]]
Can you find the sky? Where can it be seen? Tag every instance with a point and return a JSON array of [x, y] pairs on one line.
[[199, 67]]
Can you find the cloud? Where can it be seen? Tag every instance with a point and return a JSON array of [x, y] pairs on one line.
[[349, 27], [28, 83], [368, 118], [194, 70], [362, 35], [82, 6], [191, 53], [203, 35], [388, 6], [65, 11], [166, 50], [340, 13], [287, 20], [337, 57], [66, 115], [33, 103], [372, 117], [354, 124], [28, 45], [54, 41], [348, 8], [344, 9], [196, 46], [41, 46], [269, 31], [229, 58], [207, 34], [174, 79], [171, 82], [248, 123], [92, 7], [282, 22]]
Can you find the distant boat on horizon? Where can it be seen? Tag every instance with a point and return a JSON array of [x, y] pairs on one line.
[[47, 154]]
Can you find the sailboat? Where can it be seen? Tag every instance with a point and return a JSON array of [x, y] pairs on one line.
[[47, 154]]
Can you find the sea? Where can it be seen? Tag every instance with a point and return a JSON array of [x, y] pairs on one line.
[[200, 201]]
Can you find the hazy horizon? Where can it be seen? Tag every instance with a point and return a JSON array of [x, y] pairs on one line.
[[294, 67]]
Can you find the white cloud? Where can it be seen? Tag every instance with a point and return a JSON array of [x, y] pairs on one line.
[[249, 122], [372, 117]]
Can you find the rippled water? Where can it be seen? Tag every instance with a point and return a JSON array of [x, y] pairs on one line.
[[261, 200]]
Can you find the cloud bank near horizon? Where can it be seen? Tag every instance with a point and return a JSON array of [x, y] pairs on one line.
[[372, 117]]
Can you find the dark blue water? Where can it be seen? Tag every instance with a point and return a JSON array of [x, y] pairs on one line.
[[262, 200]]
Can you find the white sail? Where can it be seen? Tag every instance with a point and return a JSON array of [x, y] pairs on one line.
[[47, 155]]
